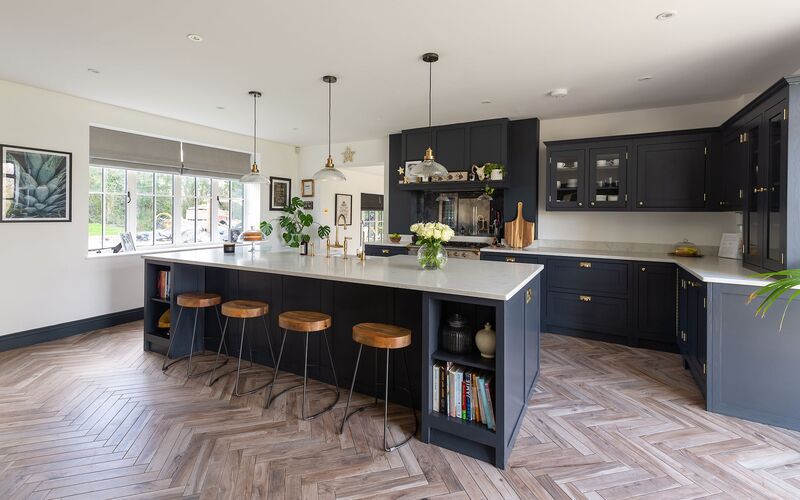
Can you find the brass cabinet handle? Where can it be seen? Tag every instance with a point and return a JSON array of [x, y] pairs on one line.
[[592, 203], [511, 259], [641, 203], [580, 203], [585, 298], [528, 295], [760, 190], [585, 265], [644, 269], [385, 251]]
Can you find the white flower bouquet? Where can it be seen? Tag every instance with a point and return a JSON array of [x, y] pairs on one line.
[[430, 236]]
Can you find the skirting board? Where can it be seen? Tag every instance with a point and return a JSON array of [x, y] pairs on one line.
[[53, 332]]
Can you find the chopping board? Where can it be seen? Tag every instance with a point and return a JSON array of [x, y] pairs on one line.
[[519, 232]]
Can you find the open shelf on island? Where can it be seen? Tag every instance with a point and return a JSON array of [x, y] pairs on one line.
[[471, 430], [453, 186], [159, 337], [470, 360]]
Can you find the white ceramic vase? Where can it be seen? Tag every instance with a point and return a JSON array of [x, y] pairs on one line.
[[486, 340], [496, 175]]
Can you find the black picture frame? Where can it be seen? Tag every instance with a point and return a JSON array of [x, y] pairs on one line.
[[280, 192], [343, 203], [10, 172]]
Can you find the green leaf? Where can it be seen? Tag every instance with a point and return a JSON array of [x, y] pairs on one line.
[[324, 231], [265, 227]]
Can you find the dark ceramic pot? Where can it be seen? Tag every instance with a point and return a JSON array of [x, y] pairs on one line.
[[456, 336]]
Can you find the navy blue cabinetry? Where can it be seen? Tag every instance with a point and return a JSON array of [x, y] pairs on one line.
[[693, 326], [655, 305], [384, 250]]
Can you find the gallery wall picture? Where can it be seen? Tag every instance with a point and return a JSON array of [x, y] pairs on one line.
[[307, 188], [280, 192], [344, 206], [36, 185]]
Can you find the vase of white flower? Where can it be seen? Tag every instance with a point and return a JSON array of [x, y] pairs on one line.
[[430, 236]]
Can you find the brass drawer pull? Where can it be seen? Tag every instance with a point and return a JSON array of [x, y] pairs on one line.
[[585, 298], [528, 295], [511, 259], [585, 265], [644, 269], [385, 251]]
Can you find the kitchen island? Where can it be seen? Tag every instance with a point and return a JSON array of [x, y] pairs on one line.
[[389, 290]]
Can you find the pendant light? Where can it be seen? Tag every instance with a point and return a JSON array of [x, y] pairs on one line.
[[329, 172], [255, 176], [428, 167]]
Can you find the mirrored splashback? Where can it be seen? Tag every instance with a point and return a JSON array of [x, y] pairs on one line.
[[468, 213]]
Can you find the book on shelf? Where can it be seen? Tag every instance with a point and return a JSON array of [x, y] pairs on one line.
[[463, 392], [163, 285]]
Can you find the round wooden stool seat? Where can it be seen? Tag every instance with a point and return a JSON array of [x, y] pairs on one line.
[[245, 309], [304, 321], [198, 299], [381, 335]]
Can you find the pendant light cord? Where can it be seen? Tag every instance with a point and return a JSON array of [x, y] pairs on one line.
[[329, 118], [430, 98], [255, 114]]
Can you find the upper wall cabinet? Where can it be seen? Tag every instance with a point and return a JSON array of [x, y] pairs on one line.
[[661, 172], [728, 177], [461, 145]]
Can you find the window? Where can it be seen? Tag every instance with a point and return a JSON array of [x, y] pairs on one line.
[[373, 223], [230, 209], [161, 209]]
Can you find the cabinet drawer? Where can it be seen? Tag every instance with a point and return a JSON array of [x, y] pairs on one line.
[[588, 276], [510, 257], [385, 251], [592, 313]]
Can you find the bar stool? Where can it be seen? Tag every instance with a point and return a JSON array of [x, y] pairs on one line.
[[196, 301], [244, 310], [389, 337], [304, 322]]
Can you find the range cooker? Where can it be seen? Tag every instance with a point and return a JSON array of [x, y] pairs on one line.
[[457, 249]]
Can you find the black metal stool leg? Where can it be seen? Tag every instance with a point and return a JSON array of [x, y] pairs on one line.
[[191, 347], [222, 338], [269, 340], [386, 403], [350, 395], [166, 365], [275, 376], [211, 378]]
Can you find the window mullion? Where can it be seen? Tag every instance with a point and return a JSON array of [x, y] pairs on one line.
[[130, 207], [213, 211]]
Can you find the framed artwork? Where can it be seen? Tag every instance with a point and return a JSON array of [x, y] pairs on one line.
[[308, 205], [36, 185], [280, 192], [307, 188], [344, 206], [127, 242]]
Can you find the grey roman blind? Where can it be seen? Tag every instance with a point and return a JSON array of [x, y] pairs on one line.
[[214, 162], [371, 201], [112, 148]]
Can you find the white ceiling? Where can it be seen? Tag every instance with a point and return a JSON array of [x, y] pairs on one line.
[[510, 52]]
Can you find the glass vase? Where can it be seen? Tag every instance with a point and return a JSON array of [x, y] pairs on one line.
[[432, 256]]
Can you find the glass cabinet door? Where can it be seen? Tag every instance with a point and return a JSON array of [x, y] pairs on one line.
[[775, 212], [608, 177], [754, 221], [567, 179]]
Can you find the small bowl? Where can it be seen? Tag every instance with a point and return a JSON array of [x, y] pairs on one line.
[[395, 239]]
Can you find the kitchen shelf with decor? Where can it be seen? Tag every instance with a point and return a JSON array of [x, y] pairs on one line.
[[454, 186]]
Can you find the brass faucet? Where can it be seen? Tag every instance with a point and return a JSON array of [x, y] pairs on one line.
[[341, 217], [345, 246]]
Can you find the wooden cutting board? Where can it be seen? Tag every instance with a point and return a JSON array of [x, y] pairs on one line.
[[519, 232]]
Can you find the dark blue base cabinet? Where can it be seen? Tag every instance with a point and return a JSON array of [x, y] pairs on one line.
[[624, 302], [516, 321]]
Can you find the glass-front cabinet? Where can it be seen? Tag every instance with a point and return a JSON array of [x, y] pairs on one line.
[[567, 179], [608, 177]]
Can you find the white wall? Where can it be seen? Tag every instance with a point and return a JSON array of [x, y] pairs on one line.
[[642, 227], [364, 175], [45, 275]]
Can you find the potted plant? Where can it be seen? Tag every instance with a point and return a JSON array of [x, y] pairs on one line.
[[495, 171], [394, 237], [786, 282], [294, 222]]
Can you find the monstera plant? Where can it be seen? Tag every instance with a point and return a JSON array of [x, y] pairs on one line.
[[785, 283], [42, 187], [294, 223]]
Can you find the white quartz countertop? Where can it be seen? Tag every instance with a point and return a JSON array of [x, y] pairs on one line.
[[469, 278], [710, 269]]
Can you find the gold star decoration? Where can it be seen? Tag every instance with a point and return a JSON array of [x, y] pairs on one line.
[[401, 171], [347, 155]]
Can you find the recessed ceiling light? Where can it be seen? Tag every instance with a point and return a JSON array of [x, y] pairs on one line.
[[486, 102], [558, 93], [645, 78], [93, 70], [668, 14], [295, 128], [220, 107], [194, 37]]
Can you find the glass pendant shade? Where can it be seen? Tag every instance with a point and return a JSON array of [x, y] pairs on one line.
[[485, 196], [255, 176], [329, 172]]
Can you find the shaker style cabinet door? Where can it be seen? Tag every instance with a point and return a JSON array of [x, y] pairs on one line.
[[655, 305], [608, 177], [775, 174], [671, 175], [567, 179]]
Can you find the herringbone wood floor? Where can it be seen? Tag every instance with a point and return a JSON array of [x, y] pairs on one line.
[[92, 416]]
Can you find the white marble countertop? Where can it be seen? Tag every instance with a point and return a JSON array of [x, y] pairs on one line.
[[710, 269], [469, 278]]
